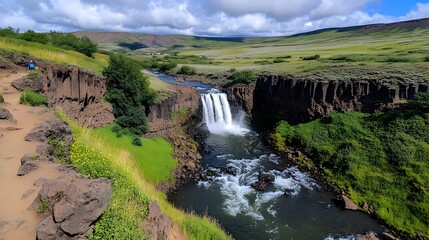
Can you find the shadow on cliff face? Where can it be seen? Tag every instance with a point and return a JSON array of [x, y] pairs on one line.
[[298, 100]]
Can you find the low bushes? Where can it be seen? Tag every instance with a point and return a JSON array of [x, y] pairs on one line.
[[186, 70], [313, 57], [31, 98]]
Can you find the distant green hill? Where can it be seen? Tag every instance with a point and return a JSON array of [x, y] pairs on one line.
[[402, 45]]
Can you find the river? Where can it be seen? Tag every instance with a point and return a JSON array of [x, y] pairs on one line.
[[293, 207]]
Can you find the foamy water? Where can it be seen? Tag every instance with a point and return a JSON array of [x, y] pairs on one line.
[[240, 198]]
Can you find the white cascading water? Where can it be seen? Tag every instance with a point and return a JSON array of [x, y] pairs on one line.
[[217, 113]]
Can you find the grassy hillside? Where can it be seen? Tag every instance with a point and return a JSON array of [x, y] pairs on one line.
[[381, 159], [54, 54], [371, 48], [154, 159]]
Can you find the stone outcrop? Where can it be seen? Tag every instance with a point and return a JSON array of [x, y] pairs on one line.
[[241, 95], [264, 180], [51, 129], [178, 109], [171, 118], [79, 93], [73, 203], [24, 83], [347, 203], [301, 99], [159, 226]]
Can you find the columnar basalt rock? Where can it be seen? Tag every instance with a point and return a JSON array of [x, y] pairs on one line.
[[303, 99]]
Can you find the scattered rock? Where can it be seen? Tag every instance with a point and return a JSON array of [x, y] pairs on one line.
[[27, 193], [389, 236], [190, 165], [229, 170], [266, 177], [75, 203], [289, 192], [260, 186], [53, 128], [27, 167], [200, 132], [24, 83], [264, 180], [368, 236], [159, 226], [348, 204], [45, 152], [6, 115], [368, 208]]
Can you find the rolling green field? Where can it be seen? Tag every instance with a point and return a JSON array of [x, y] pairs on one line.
[[354, 49]]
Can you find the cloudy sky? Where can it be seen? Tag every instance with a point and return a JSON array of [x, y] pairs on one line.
[[205, 17]]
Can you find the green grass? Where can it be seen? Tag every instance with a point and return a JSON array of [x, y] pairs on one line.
[[154, 158], [159, 86], [93, 155], [54, 54], [31, 98], [381, 159]]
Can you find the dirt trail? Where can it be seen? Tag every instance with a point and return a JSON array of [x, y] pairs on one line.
[[16, 221]]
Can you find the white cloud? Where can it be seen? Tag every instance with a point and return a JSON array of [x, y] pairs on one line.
[[194, 17], [421, 11]]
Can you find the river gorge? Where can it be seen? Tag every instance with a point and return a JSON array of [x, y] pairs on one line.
[[294, 206]]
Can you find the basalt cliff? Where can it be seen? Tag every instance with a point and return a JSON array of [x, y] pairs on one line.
[[300, 99], [79, 93]]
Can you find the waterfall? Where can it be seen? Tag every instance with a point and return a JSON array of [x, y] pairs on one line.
[[217, 113]]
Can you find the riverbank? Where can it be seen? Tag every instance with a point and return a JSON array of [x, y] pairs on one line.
[[361, 154]]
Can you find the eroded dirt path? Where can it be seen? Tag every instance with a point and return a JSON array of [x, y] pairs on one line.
[[16, 221]]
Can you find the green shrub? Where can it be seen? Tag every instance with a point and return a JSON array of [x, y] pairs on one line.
[[314, 57], [31, 98], [426, 59], [43, 206], [165, 67], [137, 141], [420, 101], [245, 76], [280, 59], [1, 98], [128, 91], [186, 70]]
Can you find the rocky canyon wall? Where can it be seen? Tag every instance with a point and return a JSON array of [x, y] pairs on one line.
[[296, 100], [79, 93]]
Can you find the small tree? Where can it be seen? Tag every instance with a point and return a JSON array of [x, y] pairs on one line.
[[128, 91]]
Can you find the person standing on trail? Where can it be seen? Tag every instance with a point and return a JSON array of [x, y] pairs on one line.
[[31, 65]]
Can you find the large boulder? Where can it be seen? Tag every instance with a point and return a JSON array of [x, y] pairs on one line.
[[347, 203], [74, 202], [51, 129], [24, 83]]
